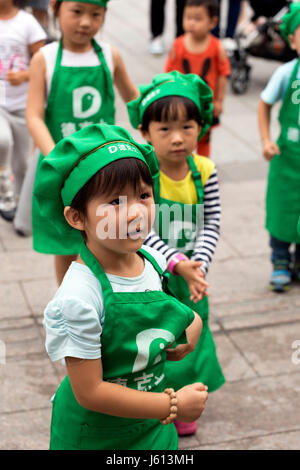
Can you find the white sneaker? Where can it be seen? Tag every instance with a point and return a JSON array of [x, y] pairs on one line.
[[157, 46], [7, 199]]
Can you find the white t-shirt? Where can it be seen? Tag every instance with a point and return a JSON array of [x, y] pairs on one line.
[[74, 59], [75, 317], [16, 35]]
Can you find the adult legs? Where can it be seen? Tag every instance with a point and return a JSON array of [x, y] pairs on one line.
[[157, 17], [179, 14], [7, 200]]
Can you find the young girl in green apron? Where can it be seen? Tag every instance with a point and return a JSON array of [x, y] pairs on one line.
[[283, 193], [111, 318], [71, 86], [172, 113]]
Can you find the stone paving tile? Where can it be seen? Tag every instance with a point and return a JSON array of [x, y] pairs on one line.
[[13, 303], [13, 242], [27, 384], [239, 280], [277, 441], [249, 409], [233, 364], [25, 265], [39, 293], [22, 341], [29, 430], [269, 349]]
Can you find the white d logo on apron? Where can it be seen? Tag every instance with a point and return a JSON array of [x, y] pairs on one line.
[[86, 101], [144, 340]]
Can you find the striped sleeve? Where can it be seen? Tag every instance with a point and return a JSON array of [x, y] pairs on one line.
[[207, 239], [156, 243]]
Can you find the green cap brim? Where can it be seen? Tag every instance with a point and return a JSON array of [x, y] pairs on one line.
[[290, 21], [75, 160], [100, 3], [190, 86]]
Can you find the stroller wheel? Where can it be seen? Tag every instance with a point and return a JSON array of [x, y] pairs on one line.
[[240, 79]]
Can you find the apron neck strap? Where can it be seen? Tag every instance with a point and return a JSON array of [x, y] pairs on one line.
[[91, 261], [109, 82], [196, 175], [93, 264]]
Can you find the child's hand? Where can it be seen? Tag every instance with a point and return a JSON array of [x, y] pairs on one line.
[[193, 333], [16, 78], [191, 401], [270, 148], [194, 277], [218, 108]]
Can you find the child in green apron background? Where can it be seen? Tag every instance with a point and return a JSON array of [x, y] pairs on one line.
[[172, 113], [283, 191], [111, 319], [71, 86]]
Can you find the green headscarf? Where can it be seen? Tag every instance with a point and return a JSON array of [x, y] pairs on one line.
[[75, 159], [174, 84], [290, 21], [100, 3]]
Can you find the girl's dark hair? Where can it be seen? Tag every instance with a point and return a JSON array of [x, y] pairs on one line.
[[111, 180], [212, 6], [170, 108], [19, 3], [56, 8]]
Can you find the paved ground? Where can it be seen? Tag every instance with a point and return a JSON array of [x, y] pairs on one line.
[[254, 329]]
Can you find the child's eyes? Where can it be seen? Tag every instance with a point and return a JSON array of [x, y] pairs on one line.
[[145, 196], [77, 12], [115, 202]]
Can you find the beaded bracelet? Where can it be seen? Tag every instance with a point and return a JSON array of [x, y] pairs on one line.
[[173, 407]]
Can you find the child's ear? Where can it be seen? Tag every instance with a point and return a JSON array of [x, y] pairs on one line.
[[292, 41], [214, 21], [74, 218], [144, 133]]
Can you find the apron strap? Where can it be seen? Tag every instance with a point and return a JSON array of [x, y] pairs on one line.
[[93, 264], [109, 82], [91, 261], [196, 175], [165, 275], [55, 72]]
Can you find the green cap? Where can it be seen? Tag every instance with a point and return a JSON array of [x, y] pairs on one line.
[[75, 159], [100, 3], [174, 84], [290, 21]]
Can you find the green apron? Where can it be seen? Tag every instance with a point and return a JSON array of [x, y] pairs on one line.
[[79, 96], [137, 329], [202, 364], [283, 192]]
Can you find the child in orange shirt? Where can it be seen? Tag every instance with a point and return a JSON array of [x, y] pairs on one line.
[[198, 51]]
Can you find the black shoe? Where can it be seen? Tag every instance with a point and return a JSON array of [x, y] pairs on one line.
[[8, 215]]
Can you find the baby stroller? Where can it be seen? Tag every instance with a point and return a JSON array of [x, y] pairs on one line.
[[264, 41]]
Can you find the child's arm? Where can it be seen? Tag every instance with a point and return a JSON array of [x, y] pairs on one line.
[[224, 71], [208, 235], [193, 333], [93, 393], [189, 270], [269, 147], [36, 105], [220, 94], [21, 76], [125, 86]]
